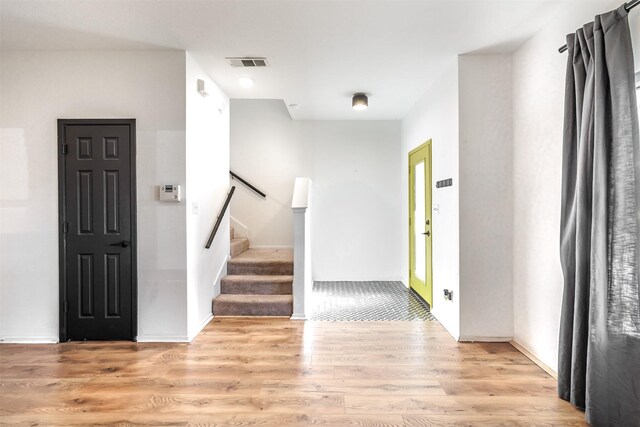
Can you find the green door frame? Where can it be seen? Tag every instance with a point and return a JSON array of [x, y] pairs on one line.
[[424, 289]]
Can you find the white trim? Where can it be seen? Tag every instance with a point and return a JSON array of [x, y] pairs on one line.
[[239, 229], [163, 338], [216, 286], [29, 340], [204, 323], [298, 316], [471, 338], [301, 193], [221, 272], [524, 350]]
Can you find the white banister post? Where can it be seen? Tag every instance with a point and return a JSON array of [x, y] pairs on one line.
[[302, 279]]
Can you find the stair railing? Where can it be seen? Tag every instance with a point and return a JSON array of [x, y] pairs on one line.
[[220, 216], [248, 184]]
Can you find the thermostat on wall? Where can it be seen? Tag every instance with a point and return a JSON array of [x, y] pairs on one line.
[[169, 193]]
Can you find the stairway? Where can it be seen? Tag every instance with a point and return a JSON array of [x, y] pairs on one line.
[[259, 282]]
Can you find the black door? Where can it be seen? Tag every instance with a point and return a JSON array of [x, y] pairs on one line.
[[97, 229]]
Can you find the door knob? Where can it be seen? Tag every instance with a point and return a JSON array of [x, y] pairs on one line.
[[122, 244], [428, 233]]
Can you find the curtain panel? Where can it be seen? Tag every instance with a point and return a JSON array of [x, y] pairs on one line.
[[599, 352]]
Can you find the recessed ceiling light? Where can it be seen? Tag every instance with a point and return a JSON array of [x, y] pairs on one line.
[[245, 82], [360, 102], [294, 106]]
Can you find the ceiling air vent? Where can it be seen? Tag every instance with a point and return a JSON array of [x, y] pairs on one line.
[[248, 62]]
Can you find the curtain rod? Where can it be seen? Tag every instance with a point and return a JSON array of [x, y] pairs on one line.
[[628, 6]]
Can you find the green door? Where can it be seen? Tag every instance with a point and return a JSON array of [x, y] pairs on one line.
[[420, 262]]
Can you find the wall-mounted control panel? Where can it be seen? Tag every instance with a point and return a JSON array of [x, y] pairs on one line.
[[170, 193], [444, 183]]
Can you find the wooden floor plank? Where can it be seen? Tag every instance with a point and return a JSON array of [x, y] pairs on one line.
[[354, 386], [277, 372], [460, 405], [291, 420], [491, 421]]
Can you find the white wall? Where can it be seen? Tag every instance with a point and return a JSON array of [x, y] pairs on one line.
[[356, 198], [356, 187], [538, 97], [435, 117], [40, 87], [269, 151], [486, 197], [207, 170]]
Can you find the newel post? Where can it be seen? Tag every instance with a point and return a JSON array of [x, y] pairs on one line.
[[302, 279]]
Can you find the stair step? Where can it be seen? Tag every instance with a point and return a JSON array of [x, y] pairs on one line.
[[262, 262], [256, 285], [238, 246], [253, 305], [232, 233]]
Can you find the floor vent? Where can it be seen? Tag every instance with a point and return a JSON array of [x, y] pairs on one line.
[[248, 62]]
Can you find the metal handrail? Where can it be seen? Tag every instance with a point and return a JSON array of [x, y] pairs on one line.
[[249, 185], [219, 220]]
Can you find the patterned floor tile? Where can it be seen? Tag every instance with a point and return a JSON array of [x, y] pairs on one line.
[[358, 301]]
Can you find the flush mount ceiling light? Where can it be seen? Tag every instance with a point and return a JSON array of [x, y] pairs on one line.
[[294, 106], [360, 102], [245, 82]]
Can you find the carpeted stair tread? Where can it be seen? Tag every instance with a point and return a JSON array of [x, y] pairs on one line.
[[262, 262], [238, 246], [256, 284], [252, 305], [232, 233]]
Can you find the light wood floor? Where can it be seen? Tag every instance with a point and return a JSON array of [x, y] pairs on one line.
[[281, 373]]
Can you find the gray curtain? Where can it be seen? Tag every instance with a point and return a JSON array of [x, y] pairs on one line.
[[599, 354]]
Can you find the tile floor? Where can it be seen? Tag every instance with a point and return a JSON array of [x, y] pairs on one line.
[[358, 301]]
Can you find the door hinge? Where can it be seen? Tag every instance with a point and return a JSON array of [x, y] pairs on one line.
[[65, 148], [66, 306], [65, 227]]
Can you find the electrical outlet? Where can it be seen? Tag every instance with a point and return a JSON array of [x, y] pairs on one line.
[[194, 208]]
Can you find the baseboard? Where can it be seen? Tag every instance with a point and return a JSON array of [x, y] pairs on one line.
[[472, 338], [298, 316], [522, 349], [252, 317], [29, 340], [240, 230], [221, 272], [203, 324], [163, 338], [216, 286]]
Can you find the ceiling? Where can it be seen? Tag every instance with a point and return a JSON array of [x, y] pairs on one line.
[[320, 52]]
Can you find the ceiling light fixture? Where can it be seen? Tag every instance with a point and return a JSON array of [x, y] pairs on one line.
[[294, 106], [360, 102], [246, 82]]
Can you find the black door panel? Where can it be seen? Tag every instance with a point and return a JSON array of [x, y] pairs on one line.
[[98, 207]]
